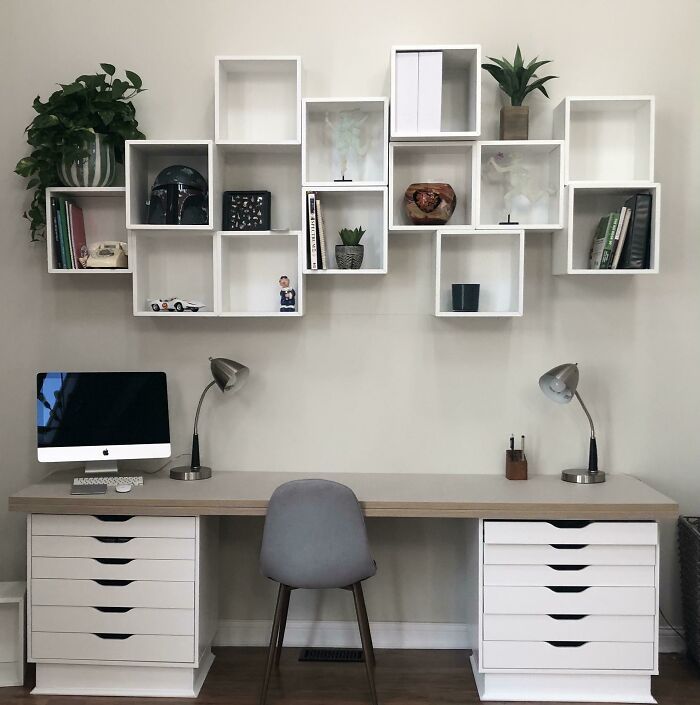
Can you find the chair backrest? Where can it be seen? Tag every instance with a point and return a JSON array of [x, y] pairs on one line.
[[315, 536]]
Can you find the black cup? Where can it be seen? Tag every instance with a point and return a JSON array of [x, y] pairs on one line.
[[465, 297]]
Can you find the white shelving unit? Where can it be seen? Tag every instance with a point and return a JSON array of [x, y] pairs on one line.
[[103, 213], [248, 268], [145, 159], [586, 204], [257, 102], [370, 139], [494, 259], [351, 207], [461, 92], [417, 162], [540, 165], [12, 620]]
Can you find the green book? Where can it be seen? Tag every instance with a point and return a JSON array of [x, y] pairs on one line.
[[65, 239], [609, 240], [598, 244]]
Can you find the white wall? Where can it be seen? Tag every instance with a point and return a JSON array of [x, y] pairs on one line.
[[368, 380]]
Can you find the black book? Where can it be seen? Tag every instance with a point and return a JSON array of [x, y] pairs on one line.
[[636, 253], [57, 252]]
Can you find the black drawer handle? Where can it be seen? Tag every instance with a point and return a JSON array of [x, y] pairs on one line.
[[120, 637], [567, 567], [113, 561], [113, 583], [567, 616], [114, 610], [567, 644], [113, 539], [567, 588], [112, 517], [567, 546], [570, 523]]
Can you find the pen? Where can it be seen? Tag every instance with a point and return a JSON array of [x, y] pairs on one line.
[[512, 442], [522, 444]]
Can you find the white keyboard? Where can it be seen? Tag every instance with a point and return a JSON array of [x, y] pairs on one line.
[[109, 480]]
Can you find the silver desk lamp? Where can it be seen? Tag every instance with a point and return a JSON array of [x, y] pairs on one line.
[[229, 376], [559, 385]]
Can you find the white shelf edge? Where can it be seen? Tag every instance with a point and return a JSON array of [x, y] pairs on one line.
[[258, 233], [627, 184], [435, 136], [88, 190], [177, 228], [429, 228], [175, 314], [478, 314], [598, 272], [541, 227], [53, 270], [168, 143], [260, 314], [344, 271], [311, 185]]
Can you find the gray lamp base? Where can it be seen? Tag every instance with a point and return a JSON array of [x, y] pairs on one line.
[[185, 472], [583, 477]]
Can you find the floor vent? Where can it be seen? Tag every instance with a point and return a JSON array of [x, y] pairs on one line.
[[335, 655]]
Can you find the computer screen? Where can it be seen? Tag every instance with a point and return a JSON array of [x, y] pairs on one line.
[[102, 415]]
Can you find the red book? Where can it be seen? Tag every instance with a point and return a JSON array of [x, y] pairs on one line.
[[77, 230]]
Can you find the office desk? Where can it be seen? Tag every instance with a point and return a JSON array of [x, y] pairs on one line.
[[563, 579]]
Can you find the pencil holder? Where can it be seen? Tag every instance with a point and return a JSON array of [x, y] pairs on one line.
[[516, 465]]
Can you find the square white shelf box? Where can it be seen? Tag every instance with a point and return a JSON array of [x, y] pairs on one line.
[[169, 263], [260, 169], [344, 207], [257, 100], [610, 138], [528, 175], [460, 116], [145, 159], [586, 205], [249, 266], [360, 125], [103, 213], [494, 259], [12, 612], [416, 162]]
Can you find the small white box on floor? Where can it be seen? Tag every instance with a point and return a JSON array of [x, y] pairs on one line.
[[12, 633], [429, 91]]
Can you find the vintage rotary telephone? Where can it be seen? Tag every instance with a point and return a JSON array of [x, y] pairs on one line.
[[110, 254]]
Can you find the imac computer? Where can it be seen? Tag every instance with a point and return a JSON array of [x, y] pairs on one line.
[[101, 417]]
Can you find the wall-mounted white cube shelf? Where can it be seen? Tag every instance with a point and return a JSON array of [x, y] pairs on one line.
[[344, 207], [417, 162], [609, 138], [12, 610], [145, 159], [257, 101], [585, 207], [460, 116], [173, 263], [103, 214], [350, 134], [523, 178], [494, 259], [249, 266]]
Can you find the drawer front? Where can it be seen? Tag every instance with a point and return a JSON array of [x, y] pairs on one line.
[[91, 647], [546, 554], [128, 620], [112, 547], [543, 627], [138, 593], [590, 655], [563, 532], [113, 569], [112, 525], [639, 575], [592, 600]]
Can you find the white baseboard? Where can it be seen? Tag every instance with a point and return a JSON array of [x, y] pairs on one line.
[[385, 635]]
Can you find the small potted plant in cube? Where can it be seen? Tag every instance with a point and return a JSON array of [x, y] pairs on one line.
[[350, 254]]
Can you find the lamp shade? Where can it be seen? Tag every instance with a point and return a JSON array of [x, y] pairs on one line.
[[559, 384], [229, 375]]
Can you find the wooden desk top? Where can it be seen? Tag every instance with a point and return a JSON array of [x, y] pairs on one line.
[[381, 495]]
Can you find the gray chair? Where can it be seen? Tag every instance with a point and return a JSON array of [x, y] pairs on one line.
[[315, 537]]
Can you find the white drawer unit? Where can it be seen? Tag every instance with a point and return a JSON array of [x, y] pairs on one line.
[[112, 525], [564, 574], [568, 554], [619, 533], [113, 569], [112, 547]]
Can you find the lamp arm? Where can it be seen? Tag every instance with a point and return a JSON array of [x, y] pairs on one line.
[[585, 410], [593, 445], [199, 406]]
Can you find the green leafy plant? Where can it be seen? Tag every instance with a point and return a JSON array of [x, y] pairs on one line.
[[351, 237], [518, 79], [96, 103]]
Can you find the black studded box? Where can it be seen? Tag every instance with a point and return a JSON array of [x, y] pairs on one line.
[[246, 210]]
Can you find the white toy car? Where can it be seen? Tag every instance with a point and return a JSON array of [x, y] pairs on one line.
[[175, 304]]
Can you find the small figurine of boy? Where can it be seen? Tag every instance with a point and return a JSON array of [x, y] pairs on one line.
[[288, 297]]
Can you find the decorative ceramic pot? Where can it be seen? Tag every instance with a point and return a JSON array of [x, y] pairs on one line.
[[430, 204], [514, 122], [98, 168], [349, 256]]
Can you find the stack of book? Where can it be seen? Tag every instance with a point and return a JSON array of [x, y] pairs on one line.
[[69, 246], [622, 240], [316, 255]]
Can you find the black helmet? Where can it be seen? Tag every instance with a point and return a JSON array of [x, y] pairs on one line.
[[178, 197]]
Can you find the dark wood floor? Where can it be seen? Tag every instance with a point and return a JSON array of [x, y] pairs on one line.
[[403, 678]]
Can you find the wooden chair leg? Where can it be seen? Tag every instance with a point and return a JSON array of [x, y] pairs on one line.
[[366, 638], [287, 591], [273, 643]]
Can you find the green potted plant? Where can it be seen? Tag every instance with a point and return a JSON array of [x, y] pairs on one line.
[[77, 136], [350, 254], [516, 80]]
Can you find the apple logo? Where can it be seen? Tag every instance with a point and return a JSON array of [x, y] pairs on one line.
[[105, 451]]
